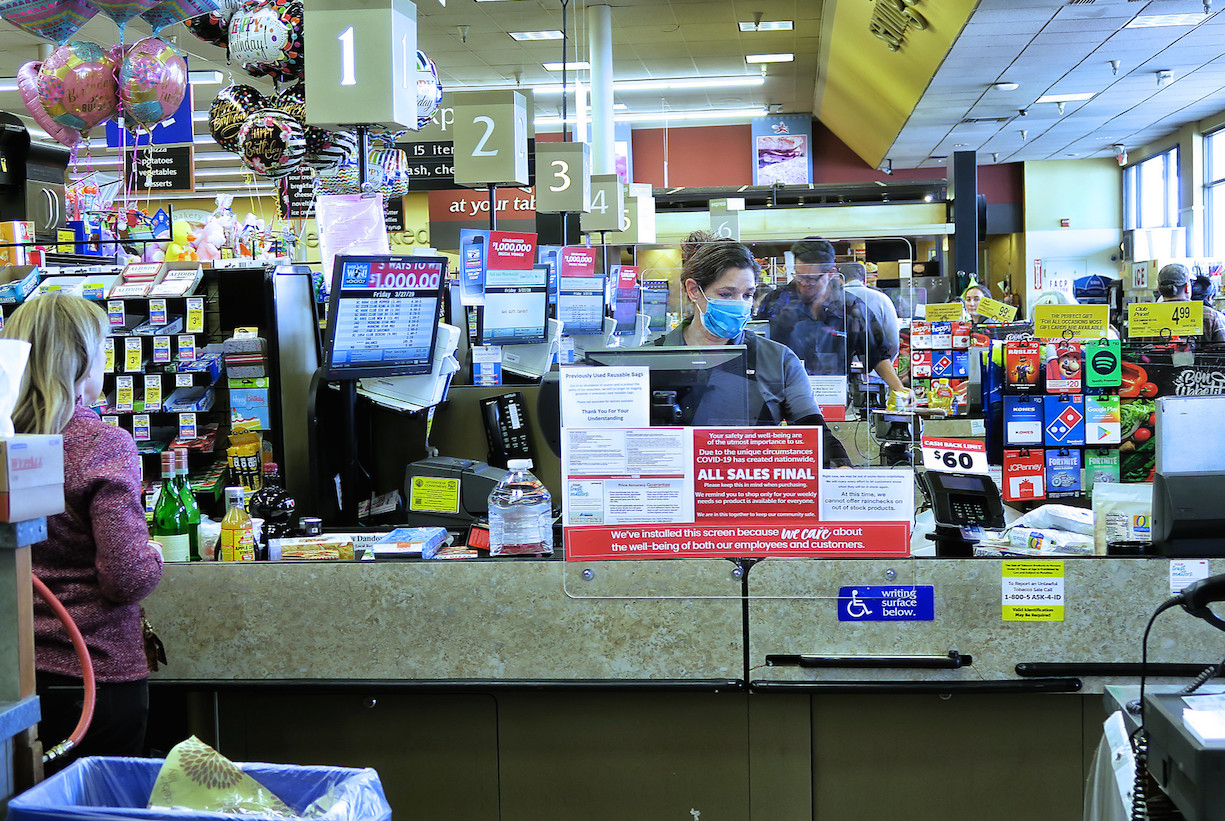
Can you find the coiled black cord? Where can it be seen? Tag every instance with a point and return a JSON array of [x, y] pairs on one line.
[[1146, 803]]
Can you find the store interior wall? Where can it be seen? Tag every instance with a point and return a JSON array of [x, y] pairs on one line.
[[1087, 193]]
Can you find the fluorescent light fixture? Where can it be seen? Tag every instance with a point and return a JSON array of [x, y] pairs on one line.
[[199, 116], [205, 77], [768, 25], [551, 34], [1064, 98], [739, 81], [8, 84], [228, 172], [671, 116], [1147, 21], [620, 107], [769, 58], [579, 65]]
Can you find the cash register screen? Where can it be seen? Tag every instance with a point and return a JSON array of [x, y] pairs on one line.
[[383, 315], [580, 305], [516, 308]]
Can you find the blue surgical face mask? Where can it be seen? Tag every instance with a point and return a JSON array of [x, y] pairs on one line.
[[726, 318]]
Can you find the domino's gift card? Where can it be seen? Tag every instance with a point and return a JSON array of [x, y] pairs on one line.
[[1062, 472], [949, 364], [1023, 420], [1064, 418]]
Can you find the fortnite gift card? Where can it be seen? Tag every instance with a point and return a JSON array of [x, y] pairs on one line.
[[1062, 472]]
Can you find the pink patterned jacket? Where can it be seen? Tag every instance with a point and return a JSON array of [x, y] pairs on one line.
[[100, 574]]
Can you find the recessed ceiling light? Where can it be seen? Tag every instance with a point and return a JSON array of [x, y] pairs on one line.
[[552, 34], [1006, 86], [661, 85], [620, 107], [768, 25], [1064, 98], [207, 77], [769, 58], [1145, 21], [581, 65]]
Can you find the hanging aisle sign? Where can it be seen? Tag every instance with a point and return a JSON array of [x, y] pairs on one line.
[[782, 149], [161, 170], [491, 131], [563, 181]]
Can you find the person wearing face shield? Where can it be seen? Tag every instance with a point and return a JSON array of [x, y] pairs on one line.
[[720, 279]]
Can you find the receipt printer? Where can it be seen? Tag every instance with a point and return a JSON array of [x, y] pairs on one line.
[[449, 492]]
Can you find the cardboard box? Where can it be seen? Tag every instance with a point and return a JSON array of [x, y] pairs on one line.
[[31, 503], [138, 278], [11, 233], [177, 278], [250, 418], [29, 461], [63, 284], [17, 282], [99, 286]]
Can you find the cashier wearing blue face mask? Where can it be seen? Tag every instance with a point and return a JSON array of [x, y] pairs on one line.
[[720, 279]]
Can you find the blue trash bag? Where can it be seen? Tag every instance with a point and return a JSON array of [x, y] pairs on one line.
[[102, 788]]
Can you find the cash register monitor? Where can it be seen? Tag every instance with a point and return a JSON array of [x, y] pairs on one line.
[[516, 307], [580, 305], [690, 385], [655, 304], [625, 310], [383, 315], [1189, 477]]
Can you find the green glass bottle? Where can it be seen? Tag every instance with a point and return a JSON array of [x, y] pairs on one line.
[[170, 525], [189, 502]]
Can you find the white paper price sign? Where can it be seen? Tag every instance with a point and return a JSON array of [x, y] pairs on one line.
[[123, 393], [114, 312], [153, 391], [187, 348], [157, 311], [111, 420], [133, 353], [161, 349], [140, 427], [954, 455], [183, 380], [195, 315], [108, 348], [187, 426]]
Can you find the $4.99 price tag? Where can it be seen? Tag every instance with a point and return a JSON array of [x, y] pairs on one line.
[[954, 455], [1033, 590], [1149, 319]]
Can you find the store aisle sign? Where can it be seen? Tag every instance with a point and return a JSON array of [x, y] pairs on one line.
[[161, 170], [894, 603], [1033, 590], [1164, 319]]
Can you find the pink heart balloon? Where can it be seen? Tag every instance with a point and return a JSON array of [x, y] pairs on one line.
[[27, 84]]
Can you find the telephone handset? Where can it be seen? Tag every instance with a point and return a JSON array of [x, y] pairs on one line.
[[506, 428]]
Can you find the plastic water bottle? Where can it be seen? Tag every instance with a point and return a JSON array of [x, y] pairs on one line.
[[520, 514]]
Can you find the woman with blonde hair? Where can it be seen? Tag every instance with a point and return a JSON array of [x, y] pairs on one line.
[[96, 559]]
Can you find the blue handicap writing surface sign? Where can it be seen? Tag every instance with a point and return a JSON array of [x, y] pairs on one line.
[[894, 603]]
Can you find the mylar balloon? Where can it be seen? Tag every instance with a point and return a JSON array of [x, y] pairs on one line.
[[152, 81], [77, 85], [169, 12], [429, 90], [271, 143], [230, 109], [326, 150], [56, 21], [292, 101], [266, 38], [121, 11], [214, 27], [27, 84]]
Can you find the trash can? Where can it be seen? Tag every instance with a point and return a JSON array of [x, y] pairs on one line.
[[102, 788]]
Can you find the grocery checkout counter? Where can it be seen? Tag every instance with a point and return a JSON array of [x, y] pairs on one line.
[[654, 688]]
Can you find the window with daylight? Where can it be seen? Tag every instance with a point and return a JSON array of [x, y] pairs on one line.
[[1150, 192], [1214, 192]]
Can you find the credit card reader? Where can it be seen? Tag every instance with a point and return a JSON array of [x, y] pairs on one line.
[[963, 504]]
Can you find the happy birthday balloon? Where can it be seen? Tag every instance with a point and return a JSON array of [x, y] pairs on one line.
[[429, 90], [152, 81], [214, 27], [265, 38], [169, 12], [292, 101], [230, 109], [77, 85], [271, 143], [27, 85], [56, 21], [327, 150]]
